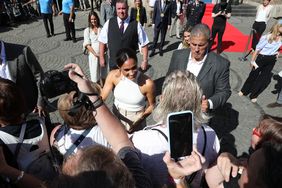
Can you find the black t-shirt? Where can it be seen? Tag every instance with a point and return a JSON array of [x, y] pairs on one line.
[[221, 20]]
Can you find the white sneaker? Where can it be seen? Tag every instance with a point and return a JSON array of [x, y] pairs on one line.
[[254, 100]]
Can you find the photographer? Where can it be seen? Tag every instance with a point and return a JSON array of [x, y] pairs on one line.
[[221, 12]]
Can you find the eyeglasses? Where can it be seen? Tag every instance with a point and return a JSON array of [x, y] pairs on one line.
[[256, 132]]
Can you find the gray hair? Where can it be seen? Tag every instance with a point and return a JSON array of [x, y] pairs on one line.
[[181, 92], [201, 29]]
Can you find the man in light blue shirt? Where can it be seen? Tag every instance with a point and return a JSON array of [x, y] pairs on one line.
[[47, 9], [68, 17]]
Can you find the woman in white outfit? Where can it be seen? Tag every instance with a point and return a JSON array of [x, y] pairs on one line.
[[91, 44], [134, 95]]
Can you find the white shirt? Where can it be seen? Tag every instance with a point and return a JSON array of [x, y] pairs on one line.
[[142, 36], [152, 3], [178, 7], [4, 70], [195, 67], [263, 13]]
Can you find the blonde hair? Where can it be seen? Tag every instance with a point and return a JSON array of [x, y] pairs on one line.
[[274, 32], [181, 92], [82, 117]]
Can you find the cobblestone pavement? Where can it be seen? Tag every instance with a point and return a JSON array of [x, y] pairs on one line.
[[240, 115]]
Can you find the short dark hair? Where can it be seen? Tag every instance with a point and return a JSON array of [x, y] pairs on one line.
[[124, 54], [122, 1], [12, 102]]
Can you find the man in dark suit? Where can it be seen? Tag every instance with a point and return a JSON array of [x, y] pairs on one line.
[[161, 23], [121, 32], [19, 64], [195, 12], [211, 70]]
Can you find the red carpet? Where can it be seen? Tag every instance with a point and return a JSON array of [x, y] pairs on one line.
[[233, 39]]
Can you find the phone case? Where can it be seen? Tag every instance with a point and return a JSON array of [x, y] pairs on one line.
[[173, 116]]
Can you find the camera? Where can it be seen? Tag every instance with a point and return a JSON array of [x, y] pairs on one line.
[[223, 6], [54, 83]]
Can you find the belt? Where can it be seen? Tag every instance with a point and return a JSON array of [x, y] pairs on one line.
[[127, 112], [268, 55]]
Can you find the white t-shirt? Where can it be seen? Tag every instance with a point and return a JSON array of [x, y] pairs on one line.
[[65, 137]]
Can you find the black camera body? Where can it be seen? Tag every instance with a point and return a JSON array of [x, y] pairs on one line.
[[55, 83]]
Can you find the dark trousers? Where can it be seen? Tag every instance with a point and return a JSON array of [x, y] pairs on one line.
[[219, 30], [157, 30], [48, 17], [258, 29], [69, 26], [259, 78]]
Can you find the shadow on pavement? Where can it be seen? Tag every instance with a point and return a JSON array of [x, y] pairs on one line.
[[225, 120]]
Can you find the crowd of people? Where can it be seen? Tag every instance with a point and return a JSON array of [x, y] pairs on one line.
[[97, 147]]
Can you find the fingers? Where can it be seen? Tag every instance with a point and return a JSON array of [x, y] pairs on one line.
[[227, 164], [75, 67], [73, 76], [167, 158]]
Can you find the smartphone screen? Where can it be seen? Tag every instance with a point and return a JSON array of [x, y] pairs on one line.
[[180, 126]]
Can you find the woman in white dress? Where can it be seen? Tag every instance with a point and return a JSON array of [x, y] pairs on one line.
[[91, 44]]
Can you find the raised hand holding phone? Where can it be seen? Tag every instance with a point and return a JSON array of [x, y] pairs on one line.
[[181, 127]]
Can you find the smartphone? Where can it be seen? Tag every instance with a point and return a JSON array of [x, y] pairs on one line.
[[180, 126]]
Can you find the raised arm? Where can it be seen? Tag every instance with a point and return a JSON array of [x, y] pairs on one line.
[[111, 127]]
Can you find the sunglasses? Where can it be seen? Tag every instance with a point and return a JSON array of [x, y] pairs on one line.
[[256, 132]]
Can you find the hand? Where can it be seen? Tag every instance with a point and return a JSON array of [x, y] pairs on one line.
[[185, 167], [60, 13], [102, 62], [227, 163], [168, 27], [205, 104], [254, 65], [40, 110], [144, 65], [153, 26], [83, 84], [75, 68], [70, 19], [135, 125]]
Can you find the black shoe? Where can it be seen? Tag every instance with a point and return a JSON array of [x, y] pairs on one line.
[[242, 59], [67, 39], [152, 53], [161, 53], [48, 36], [74, 40]]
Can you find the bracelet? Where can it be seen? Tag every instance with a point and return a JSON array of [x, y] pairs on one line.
[[99, 102], [19, 177]]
